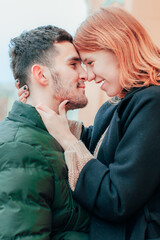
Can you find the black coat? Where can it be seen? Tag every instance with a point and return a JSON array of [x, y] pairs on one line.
[[121, 187]]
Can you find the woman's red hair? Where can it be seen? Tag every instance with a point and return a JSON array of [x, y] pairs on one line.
[[115, 29]]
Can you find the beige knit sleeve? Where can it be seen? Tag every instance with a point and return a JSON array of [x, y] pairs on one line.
[[75, 128], [76, 156]]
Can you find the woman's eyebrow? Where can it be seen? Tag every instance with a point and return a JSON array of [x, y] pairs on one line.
[[85, 60]]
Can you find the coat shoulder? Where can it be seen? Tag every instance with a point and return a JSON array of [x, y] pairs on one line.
[[152, 92]]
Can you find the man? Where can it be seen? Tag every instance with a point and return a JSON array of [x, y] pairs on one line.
[[35, 199]]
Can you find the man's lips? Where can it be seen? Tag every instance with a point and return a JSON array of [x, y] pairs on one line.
[[81, 86]]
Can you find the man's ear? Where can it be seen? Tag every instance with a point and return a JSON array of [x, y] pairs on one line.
[[40, 74]]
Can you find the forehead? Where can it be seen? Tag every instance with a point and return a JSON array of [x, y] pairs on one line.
[[84, 55], [66, 51], [96, 55]]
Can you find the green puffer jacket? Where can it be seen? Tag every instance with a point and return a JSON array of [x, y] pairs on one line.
[[35, 199]]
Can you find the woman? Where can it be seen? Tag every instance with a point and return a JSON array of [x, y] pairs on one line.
[[114, 170]]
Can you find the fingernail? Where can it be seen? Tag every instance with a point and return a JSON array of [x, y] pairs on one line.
[[25, 87], [67, 103]]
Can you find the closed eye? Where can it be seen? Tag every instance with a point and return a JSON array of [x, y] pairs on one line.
[[89, 63], [73, 65]]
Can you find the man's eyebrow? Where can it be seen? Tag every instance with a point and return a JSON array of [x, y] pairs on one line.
[[76, 59]]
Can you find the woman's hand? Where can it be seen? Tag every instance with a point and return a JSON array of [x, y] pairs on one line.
[[23, 92], [57, 124]]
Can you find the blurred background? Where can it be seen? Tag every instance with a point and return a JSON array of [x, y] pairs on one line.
[[19, 15]]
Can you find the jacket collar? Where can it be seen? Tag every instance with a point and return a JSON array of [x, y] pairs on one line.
[[133, 91], [25, 113]]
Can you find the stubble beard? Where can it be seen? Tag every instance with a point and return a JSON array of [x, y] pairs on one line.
[[61, 93]]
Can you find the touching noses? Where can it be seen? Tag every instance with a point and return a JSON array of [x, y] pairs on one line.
[[87, 75], [83, 75], [91, 75]]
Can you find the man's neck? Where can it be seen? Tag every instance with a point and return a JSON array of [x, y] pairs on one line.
[[49, 101]]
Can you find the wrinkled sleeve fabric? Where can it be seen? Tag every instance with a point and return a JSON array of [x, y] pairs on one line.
[[116, 191], [76, 156], [26, 193], [75, 128]]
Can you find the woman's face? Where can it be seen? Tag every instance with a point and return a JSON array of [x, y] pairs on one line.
[[103, 67]]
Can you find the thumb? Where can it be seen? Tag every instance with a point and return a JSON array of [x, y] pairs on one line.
[[43, 108], [62, 107], [42, 113]]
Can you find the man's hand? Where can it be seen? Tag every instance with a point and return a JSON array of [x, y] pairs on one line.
[[23, 92]]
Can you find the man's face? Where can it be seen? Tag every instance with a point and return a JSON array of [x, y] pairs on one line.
[[68, 76]]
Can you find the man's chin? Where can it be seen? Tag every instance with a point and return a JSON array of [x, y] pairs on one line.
[[76, 105]]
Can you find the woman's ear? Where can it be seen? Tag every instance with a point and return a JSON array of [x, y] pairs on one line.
[[40, 74]]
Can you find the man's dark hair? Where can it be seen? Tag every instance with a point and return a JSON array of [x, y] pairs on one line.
[[33, 47]]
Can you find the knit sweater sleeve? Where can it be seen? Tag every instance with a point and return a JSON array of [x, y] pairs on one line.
[[76, 156], [75, 128]]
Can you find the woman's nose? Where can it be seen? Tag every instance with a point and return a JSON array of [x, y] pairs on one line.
[[91, 76]]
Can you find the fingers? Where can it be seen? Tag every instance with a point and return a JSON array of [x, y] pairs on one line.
[[62, 107], [17, 82], [42, 107], [23, 100], [41, 112], [24, 96], [22, 90]]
